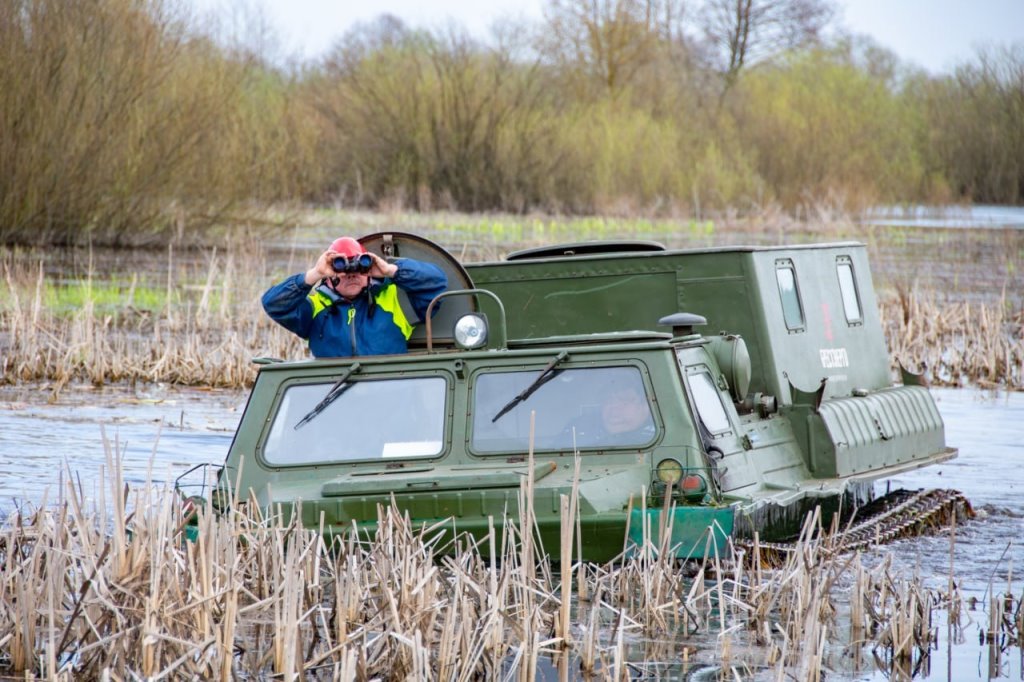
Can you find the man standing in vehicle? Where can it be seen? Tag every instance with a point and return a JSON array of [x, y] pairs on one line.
[[347, 303]]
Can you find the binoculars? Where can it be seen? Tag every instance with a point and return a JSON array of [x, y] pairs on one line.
[[360, 264]]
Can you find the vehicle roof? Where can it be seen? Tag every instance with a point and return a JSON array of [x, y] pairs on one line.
[[591, 250], [630, 341]]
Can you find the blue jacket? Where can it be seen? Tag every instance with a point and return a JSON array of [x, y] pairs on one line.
[[331, 323]]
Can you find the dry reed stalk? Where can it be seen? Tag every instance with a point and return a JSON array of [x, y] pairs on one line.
[[588, 650], [858, 597], [526, 520], [565, 565]]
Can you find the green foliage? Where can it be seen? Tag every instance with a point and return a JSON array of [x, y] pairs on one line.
[[424, 120], [120, 123], [620, 158], [821, 126], [976, 125]]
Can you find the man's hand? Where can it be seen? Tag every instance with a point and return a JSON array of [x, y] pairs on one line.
[[381, 268], [322, 269]]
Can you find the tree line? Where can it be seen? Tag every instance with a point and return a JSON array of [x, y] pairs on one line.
[[127, 121]]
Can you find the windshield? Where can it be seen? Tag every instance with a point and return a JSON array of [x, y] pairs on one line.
[[372, 419], [599, 407]]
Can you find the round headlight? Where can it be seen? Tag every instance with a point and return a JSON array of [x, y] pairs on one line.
[[471, 331], [669, 471]]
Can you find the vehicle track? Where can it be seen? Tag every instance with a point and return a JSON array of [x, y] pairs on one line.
[[900, 514]]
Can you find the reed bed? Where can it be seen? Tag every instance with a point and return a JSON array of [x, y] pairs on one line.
[[205, 330], [112, 590], [195, 318], [956, 342]]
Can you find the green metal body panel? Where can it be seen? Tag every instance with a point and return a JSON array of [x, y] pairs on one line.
[[735, 289], [819, 419], [693, 531], [470, 488], [882, 429], [696, 531]]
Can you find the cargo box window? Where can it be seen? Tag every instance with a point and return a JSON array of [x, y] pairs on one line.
[[792, 311], [848, 287], [371, 419], [599, 407]]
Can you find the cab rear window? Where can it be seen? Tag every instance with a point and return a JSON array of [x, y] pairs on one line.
[[600, 407], [369, 419]]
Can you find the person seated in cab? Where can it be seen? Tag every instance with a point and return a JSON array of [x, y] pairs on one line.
[[347, 303], [625, 419]]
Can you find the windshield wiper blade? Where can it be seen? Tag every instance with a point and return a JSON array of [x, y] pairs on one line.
[[546, 375], [336, 391]]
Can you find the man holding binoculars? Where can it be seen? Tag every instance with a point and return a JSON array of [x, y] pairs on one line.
[[347, 303]]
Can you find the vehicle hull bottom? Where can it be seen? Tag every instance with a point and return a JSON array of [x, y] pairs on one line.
[[696, 532], [783, 517]]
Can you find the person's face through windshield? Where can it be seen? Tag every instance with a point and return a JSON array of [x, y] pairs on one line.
[[624, 410]]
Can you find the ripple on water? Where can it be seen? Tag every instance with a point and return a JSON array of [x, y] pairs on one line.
[[163, 429]]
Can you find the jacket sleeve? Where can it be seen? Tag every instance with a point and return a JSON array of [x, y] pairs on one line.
[[421, 283], [288, 304]]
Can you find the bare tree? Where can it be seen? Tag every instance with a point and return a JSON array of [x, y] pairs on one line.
[[744, 32], [610, 41]]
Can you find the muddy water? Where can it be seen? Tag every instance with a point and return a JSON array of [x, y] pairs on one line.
[[166, 431]]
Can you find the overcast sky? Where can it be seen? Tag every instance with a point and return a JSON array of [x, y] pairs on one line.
[[934, 34]]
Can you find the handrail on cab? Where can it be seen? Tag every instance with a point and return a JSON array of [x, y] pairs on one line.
[[466, 292]]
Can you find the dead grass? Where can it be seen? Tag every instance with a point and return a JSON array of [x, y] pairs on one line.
[[956, 343], [206, 332]]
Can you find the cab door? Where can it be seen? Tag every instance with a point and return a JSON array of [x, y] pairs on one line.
[[717, 420]]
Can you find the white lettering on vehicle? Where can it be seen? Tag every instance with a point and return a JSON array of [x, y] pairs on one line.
[[834, 357]]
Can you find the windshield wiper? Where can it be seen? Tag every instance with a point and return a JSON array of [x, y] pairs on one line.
[[336, 391], [546, 375]]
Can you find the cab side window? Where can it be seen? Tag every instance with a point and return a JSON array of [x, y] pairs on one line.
[[709, 403], [789, 293]]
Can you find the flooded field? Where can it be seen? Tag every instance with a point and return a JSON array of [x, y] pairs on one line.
[[52, 433], [989, 555], [965, 253], [162, 432]]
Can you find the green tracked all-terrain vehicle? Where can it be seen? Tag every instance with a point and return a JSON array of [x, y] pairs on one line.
[[706, 393]]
